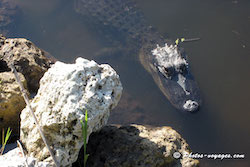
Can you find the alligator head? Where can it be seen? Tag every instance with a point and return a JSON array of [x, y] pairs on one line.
[[169, 69]]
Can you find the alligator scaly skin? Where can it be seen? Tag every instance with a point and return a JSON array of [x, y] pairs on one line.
[[122, 15], [8, 12]]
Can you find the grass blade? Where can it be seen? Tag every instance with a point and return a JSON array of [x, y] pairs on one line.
[[7, 135], [5, 139], [84, 134]]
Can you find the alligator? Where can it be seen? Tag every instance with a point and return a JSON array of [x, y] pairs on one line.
[[162, 58]]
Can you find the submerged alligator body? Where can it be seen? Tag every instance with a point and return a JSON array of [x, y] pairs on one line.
[[165, 61], [8, 13]]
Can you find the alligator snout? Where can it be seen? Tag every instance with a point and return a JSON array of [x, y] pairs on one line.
[[183, 94], [191, 105]]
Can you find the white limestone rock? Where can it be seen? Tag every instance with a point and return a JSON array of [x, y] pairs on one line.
[[15, 158], [66, 91]]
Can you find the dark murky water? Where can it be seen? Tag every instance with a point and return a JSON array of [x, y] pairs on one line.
[[220, 62]]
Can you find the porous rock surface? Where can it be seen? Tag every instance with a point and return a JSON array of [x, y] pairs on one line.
[[137, 146], [14, 158], [11, 101], [31, 64], [28, 59], [66, 91]]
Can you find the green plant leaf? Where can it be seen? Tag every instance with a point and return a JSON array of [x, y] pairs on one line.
[[85, 159], [7, 135], [86, 115], [5, 139], [84, 134], [177, 41]]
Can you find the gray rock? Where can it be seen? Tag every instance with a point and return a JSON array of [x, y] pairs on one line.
[[11, 101], [66, 91], [137, 146], [31, 64], [27, 58]]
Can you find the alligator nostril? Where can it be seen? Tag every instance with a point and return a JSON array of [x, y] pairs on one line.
[[191, 105]]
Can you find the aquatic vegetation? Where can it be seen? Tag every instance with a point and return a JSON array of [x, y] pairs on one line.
[[180, 40], [177, 41], [5, 139], [84, 134]]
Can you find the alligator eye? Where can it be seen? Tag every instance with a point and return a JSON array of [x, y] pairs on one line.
[[168, 72], [182, 69]]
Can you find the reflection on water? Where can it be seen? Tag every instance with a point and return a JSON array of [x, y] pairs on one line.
[[220, 62]]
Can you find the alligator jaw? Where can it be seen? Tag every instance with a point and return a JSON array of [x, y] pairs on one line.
[[187, 99]]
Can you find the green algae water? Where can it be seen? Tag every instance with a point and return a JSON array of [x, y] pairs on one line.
[[220, 63]]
